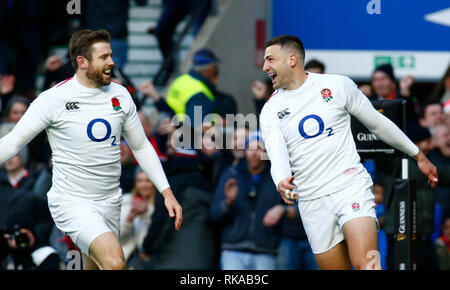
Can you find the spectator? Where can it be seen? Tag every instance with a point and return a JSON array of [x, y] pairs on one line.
[[193, 246], [239, 136], [16, 107], [442, 245], [432, 114], [385, 87], [294, 251], [196, 88], [440, 156], [136, 214], [26, 213], [315, 66], [242, 199], [39, 148]]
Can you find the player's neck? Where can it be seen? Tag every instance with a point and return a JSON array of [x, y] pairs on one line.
[[85, 81], [298, 79]]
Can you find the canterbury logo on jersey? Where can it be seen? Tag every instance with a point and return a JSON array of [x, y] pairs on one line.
[[283, 113], [72, 106]]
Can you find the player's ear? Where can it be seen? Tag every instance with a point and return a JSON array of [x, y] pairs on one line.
[[293, 59], [82, 62]]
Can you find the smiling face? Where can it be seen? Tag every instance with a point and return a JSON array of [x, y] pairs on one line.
[[99, 67], [277, 66]]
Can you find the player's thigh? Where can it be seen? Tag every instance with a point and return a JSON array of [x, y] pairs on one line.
[[361, 238], [336, 258], [359, 223], [107, 253]]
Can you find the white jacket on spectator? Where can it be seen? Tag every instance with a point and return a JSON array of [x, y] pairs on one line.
[[132, 234]]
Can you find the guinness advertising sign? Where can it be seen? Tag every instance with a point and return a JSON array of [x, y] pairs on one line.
[[367, 144]]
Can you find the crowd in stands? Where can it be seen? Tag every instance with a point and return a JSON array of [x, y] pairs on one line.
[[233, 216]]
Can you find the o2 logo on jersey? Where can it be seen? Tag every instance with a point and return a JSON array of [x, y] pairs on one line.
[[319, 120], [103, 138]]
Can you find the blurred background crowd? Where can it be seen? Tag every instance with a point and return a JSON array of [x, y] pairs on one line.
[[233, 216]]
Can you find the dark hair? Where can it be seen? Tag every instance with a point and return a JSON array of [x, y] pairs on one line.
[[81, 42], [289, 41], [12, 101], [314, 63], [427, 103]]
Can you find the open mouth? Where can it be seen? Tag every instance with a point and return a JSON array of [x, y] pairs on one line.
[[273, 76], [107, 72]]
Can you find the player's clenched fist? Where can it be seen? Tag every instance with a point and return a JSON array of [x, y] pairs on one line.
[[285, 188], [231, 191]]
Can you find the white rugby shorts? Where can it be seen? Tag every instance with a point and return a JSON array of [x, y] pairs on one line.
[[324, 217], [84, 220]]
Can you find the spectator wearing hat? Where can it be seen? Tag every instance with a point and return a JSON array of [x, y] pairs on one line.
[[243, 197], [196, 88], [385, 87], [426, 202]]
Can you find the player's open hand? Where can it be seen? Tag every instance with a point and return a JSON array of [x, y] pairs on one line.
[[285, 188], [173, 207], [427, 168]]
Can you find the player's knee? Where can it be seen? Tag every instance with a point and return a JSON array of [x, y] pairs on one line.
[[115, 263]]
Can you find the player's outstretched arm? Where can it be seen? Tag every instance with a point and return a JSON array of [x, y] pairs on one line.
[[359, 106], [25, 130]]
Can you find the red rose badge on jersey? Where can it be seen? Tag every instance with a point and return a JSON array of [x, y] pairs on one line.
[[115, 104], [355, 206], [326, 95]]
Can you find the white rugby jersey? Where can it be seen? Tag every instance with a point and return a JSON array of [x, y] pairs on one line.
[[307, 132], [84, 128]]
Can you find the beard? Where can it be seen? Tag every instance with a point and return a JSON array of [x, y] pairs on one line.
[[96, 76]]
